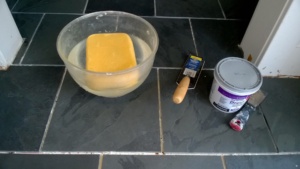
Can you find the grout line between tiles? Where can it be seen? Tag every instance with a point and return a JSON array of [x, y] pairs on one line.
[[270, 132], [154, 1], [14, 5], [145, 153], [183, 17], [162, 149], [52, 111], [191, 26], [85, 6], [58, 65], [223, 162], [162, 17], [33, 35], [62, 65], [100, 164], [222, 9], [46, 65], [50, 13]]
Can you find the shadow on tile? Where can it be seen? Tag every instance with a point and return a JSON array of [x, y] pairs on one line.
[[235, 9], [142, 8], [43, 47], [25, 161], [85, 122], [263, 162], [196, 126], [161, 162], [217, 39], [11, 3], [175, 41], [281, 109], [26, 98], [50, 6], [26, 23], [189, 8]]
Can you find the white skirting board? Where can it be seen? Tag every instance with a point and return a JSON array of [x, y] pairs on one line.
[[273, 38], [10, 37]]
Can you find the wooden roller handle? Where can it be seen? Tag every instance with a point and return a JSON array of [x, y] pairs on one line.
[[181, 90]]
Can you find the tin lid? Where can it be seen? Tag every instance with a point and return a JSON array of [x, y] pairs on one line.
[[238, 75]]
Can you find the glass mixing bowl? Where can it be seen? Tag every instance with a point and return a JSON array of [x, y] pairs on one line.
[[71, 47]]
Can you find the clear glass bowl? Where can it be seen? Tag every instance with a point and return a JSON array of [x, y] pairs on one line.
[[71, 48]]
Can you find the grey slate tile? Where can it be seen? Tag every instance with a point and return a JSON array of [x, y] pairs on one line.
[[241, 10], [25, 161], [11, 3], [26, 98], [189, 8], [281, 108], [27, 24], [161, 162], [217, 39], [43, 47], [263, 162], [50, 6], [175, 41], [196, 126], [235, 9], [85, 122], [142, 7]]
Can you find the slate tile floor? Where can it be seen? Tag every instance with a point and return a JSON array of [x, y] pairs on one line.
[[47, 121]]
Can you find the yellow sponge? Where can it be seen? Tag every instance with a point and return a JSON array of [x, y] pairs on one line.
[[110, 52]]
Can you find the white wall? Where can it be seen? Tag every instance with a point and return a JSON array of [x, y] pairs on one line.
[[10, 38], [273, 37]]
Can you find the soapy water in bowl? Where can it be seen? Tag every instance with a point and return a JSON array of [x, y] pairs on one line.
[[77, 57]]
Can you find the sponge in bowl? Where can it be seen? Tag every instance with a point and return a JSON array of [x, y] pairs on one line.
[[109, 53]]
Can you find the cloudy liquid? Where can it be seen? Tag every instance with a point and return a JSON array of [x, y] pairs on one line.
[[77, 57]]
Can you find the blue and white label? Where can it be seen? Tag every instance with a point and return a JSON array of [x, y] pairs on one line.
[[226, 101], [192, 66]]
